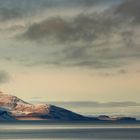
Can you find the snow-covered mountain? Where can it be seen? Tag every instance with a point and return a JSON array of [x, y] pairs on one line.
[[13, 108], [22, 110]]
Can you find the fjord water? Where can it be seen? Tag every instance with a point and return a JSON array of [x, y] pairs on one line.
[[67, 131]]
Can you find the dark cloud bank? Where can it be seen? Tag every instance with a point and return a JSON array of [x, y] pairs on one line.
[[87, 27], [99, 40], [20, 9], [108, 39], [15, 9]]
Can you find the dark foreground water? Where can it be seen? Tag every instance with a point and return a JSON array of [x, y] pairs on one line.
[[65, 131]]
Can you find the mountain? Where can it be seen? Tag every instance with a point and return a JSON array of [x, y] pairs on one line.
[[22, 110], [5, 115], [13, 108]]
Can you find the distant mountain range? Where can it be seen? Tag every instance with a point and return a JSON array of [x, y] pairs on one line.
[[13, 108]]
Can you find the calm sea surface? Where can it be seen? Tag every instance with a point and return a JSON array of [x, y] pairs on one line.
[[65, 131]]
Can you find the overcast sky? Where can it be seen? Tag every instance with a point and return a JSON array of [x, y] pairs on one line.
[[68, 50]]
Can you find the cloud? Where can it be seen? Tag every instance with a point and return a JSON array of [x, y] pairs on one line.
[[122, 71], [138, 71], [78, 36], [130, 9], [119, 72], [84, 3], [4, 77], [89, 104], [9, 14], [84, 28], [17, 10], [98, 40]]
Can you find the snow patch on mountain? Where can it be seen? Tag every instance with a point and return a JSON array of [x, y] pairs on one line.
[[23, 110]]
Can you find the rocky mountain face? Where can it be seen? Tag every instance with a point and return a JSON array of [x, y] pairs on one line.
[[5, 115], [22, 110]]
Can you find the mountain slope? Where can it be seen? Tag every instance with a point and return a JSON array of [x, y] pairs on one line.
[[13, 108], [5, 115], [22, 110]]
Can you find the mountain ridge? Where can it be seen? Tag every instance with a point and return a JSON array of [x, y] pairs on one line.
[[21, 110], [14, 108]]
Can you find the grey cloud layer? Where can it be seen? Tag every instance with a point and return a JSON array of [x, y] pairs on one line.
[[16, 9], [98, 40], [130, 9], [86, 26], [108, 39]]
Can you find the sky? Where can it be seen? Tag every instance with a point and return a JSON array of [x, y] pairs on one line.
[[70, 50]]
